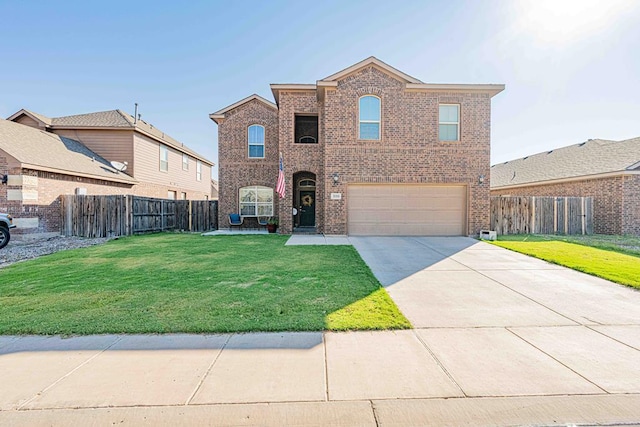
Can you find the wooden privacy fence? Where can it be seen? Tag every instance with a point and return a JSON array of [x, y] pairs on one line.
[[542, 215], [110, 216]]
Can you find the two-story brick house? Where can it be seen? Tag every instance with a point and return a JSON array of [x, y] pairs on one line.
[[369, 150]]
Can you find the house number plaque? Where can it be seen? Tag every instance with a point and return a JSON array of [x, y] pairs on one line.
[[336, 196]]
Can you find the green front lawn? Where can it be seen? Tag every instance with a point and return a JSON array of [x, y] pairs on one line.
[[629, 245], [610, 264], [188, 283]]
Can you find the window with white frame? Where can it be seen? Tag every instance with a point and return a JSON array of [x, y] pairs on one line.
[[449, 122], [256, 141], [199, 170], [171, 195], [185, 162], [369, 111], [164, 158], [183, 196], [256, 201]]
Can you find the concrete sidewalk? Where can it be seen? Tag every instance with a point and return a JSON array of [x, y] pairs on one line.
[[500, 339], [346, 379]]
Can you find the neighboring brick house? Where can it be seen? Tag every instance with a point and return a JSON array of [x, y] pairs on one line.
[[40, 166], [369, 150], [608, 171], [162, 166]]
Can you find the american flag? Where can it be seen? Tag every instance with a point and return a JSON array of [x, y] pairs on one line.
[[280, 185]]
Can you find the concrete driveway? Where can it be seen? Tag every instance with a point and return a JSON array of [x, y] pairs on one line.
[[499, 339], [501, 323]]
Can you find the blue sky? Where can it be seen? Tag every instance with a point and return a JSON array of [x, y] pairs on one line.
[[572, 68]]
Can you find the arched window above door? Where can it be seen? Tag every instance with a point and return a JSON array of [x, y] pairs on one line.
[[306, 183]]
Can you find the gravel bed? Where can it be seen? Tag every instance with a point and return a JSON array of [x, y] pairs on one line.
[[24, 247]]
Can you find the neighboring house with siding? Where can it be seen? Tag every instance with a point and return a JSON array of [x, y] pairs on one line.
[[40, 166], [369, 150], [608, 171], [162, 166], [214, 189]]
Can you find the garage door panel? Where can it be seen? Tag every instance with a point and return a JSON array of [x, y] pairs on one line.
[[390, 209]]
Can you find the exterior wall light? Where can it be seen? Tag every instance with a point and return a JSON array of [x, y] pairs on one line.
[[481, 179], [336, 178]]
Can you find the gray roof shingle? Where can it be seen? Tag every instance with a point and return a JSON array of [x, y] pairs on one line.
[[112, 118], [121, 119], [595, 156], [47, 150]]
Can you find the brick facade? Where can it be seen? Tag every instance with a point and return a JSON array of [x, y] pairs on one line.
[[42, 215], [616, 200], [408, 151], [235, 166], [300, 158]]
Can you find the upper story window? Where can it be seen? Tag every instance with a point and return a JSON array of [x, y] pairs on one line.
[[449, 122], [199, 170], [369, 109], [306, 129], [256, 141], [185, 162], [164, 158]]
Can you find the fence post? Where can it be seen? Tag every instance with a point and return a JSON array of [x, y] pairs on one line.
[[582, 214], [555, 215], [129, 209], [532, 229], [566, 215]]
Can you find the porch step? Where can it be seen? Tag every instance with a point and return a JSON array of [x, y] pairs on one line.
[[305, 230]]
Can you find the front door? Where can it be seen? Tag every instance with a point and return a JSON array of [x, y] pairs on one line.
[[307, 208]]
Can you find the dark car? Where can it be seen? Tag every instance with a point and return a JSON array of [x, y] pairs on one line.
[[6, 223]]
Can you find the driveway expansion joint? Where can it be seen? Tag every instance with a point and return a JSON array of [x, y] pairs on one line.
[[439, 363], [560, 362]]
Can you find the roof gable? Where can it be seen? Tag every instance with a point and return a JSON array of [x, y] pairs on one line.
[[593, 157], [46, 121], [220, 113], [372, 60]]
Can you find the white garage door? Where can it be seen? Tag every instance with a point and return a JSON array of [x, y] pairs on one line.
[[406, 210]]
